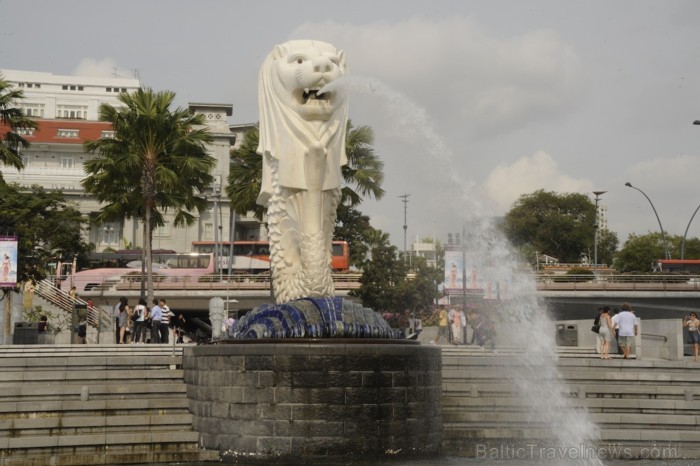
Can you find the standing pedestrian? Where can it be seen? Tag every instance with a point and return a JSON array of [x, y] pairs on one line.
[[179, 324], [156, 314], [141, 312], [164, 321], [124, 315], [693, 325], [443, 322], [82, 330], [117, 326]]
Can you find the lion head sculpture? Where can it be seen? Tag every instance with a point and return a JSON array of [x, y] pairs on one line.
[[294, 116]]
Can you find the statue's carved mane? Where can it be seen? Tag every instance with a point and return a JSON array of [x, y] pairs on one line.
[[285, 135]]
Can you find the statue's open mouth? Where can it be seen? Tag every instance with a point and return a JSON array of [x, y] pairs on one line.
[[313, 97]]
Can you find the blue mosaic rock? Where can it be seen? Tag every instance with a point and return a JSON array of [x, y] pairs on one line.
[[314, 318]]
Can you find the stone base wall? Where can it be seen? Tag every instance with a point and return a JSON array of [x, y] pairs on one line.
[[310, 400]]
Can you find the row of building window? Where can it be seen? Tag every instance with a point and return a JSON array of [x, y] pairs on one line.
[[72, 112], [64, 133], [71, 87]]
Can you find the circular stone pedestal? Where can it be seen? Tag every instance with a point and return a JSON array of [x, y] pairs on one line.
[[309, 400]]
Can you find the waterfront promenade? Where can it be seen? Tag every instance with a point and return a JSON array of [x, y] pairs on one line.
[[76, 405]]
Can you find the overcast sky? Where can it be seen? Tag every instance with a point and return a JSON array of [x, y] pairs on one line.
[[473, 102]]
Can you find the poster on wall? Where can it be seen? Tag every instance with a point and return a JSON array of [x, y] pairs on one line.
[[453, 270], [8, 261]]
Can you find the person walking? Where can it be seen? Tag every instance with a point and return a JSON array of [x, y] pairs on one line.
[[605, 333], [596, 329], [627, 324], [693, 325]]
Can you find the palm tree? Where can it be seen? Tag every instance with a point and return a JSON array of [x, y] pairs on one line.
[[245, 175], [364, 169], [363, 173], [14, 118], [157, 160]]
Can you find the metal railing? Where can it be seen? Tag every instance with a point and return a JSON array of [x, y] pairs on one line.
[[237, 282], [63, 301], [618, 282]]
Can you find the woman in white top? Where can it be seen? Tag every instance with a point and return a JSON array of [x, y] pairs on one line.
[[605, 333], [141, 315]]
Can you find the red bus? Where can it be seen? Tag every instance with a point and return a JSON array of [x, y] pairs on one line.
[[254, 256]]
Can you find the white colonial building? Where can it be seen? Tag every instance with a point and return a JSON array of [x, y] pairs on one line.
[[66, 110]]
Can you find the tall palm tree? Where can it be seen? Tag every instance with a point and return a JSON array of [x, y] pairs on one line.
[[363, 174], [364, 170], [12, 120], [157, 160], [245, 175]]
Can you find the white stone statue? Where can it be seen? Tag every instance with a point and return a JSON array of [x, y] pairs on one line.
[[302, 142]]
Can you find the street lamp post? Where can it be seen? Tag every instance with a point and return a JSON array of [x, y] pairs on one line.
[[404, 199], [663, 236], [696, 122], [595, 228], [686, 232]]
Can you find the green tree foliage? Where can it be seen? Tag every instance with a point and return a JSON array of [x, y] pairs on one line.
[[12, 120], [382, 273], [419, 289], [640, 253], [45, 225], [387, 284], [354, 227], [156, 161], [245, 175], [560, 225], [363, 173], [692, 248], [607, 246]]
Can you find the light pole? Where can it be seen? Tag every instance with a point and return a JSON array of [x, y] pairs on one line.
[[217, 256], [696, 122], [404, 198], [686, 232], [461, 242], [595, 228], [663, 236]]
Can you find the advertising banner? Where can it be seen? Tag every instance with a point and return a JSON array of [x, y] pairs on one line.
[[8, 261]]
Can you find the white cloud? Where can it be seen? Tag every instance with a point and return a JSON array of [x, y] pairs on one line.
[[107, 67], [508, 182]]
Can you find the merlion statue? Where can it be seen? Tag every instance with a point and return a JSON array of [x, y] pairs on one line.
[[302, 142]]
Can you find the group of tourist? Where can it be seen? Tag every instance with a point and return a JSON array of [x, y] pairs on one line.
[[133, 323], [622, 325], [453, 324]]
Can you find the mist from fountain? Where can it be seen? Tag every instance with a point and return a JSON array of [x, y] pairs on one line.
[[533, 356]]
